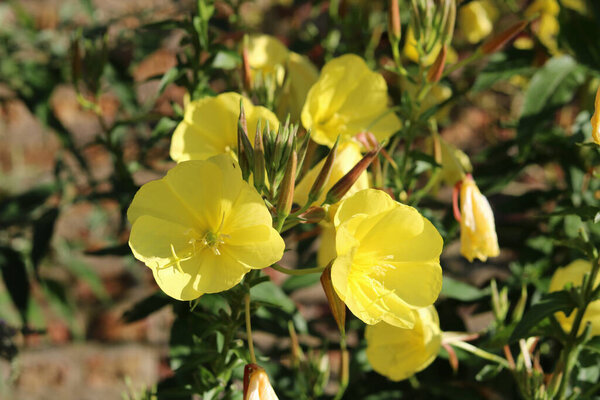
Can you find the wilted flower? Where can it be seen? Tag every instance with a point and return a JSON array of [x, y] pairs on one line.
[[573, 274], [348, 99], [201, 228], [596, 118], [209, 126], [400, 353], [477, 228], [257, 385], [387, 262], [476, 19]]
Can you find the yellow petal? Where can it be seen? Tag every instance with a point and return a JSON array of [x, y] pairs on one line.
[[301, 75], [255, 246], [400, 353], [573, 274], [209, 126], [596, 118]]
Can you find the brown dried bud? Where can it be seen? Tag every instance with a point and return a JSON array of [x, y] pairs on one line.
[[394, 24], [337, 306], [437, 69], [324, 174], [342, 186], [313, 215], [496, 42]]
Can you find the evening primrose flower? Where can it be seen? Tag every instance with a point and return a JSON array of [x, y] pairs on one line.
[[348, 99], [209, 126], [573, 274], [596, 118], [476, 19], [477, 228], [201, 228], [387, 262], [257, 385], [400, 353]]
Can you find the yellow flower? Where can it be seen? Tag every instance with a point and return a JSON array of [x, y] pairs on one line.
[[387, 262], [268, 55], [400, 353], [257, 385], [348, 99], [301, 74], [209, 126], [547, 26], [596, 118], [455, 163], [201, 228], [476, 20], [477, 229], [573, 274]]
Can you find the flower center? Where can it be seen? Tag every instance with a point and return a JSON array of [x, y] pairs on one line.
[[213, 241]]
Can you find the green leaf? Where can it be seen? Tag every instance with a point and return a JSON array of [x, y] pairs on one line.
[[488, 372], [462, 291], [296, 282], [269, 293], [501, 67], [147, 306], [226, 59], [15, 278], [164, 127], [548, 305]]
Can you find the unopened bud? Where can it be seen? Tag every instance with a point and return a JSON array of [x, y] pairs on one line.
[[245, 156], [313, 215], [394, 24], [286, 192], [324, 174], [341, 187], [302, 151], [496, 42], [337, 306], [435, 71], [259, 160]]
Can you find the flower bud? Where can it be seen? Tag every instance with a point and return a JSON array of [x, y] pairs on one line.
[[337, 306], [596, 119], [245, 156], [394, 24], [324, 174], [313, 215], [435, 71], [286, 192], [259, 160], [342, 186], [496, 42], [256, 384]]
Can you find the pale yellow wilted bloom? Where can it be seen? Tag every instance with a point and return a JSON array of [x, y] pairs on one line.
[[573, 274], [477, 228], [596, 118], [201, 228], [348, 99], [209, 126], [387, 262], [400, 353], [476, 20], [257, 385]]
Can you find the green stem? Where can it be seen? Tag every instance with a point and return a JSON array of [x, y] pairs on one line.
[[304, 271], [249, 330], [475, 56], [481, 353], [344, 375]]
